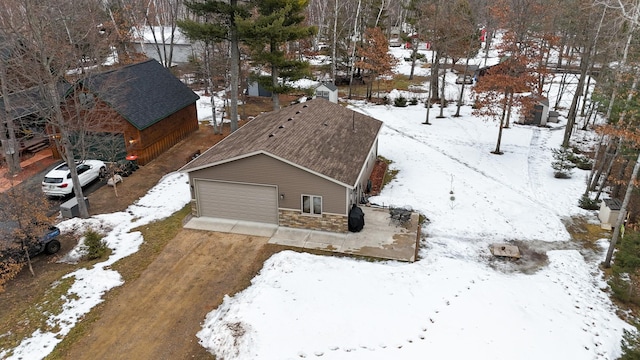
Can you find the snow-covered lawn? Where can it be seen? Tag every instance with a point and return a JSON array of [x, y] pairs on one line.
[[455, 302]]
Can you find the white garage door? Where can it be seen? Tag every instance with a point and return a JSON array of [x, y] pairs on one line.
[[237, 201]]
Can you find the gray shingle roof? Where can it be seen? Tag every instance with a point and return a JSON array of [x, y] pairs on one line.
[[317, 135], [31, 101], [143, 93], [613, 204], [329, 86]]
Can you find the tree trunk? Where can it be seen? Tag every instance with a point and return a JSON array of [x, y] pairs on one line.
[[466, 67], [442, 87], [509, 105], [426, 120], [488, 39], [623, 116], [622, 214], [214, 120], [606, 158], [586, 92], [235, 69], [209, 86], [77, 188], [605, 178], [10, 146], [353, 49], [26, 255], [590, 113], [435, 69], [274, 95], [504, 108], [414, 54], [593, 169], [573, 110], [335, 41], [562, 86], [615, 194]]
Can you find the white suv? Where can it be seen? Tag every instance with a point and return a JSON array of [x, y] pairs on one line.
[[58, 182]]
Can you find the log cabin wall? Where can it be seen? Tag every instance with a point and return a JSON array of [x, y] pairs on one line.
[[162, 135], [150, 142]]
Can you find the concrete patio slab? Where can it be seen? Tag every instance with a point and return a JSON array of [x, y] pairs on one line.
[[232, 226], [380, 238], [255, 229], [211, 224], [290, 234]]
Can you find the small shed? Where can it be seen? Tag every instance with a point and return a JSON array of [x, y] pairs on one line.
[[255, 89], [553, 116], [539, 115], [328, 91], [609, 211]]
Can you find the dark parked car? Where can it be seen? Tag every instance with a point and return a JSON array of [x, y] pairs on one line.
[[45, 243]]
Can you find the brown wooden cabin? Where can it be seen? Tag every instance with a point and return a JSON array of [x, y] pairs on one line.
[[143, 104]]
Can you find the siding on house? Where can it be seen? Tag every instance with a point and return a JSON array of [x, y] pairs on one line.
[[291, 181], [318, 135], [146, 43]]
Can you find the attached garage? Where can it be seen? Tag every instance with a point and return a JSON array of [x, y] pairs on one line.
[[276, 165], [237, 201]]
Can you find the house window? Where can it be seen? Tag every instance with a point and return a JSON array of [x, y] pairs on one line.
[[323, 94], [311, 205]]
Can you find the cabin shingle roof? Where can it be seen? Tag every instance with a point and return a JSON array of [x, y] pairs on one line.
[[143, 93], [316, 135], [32, 101]]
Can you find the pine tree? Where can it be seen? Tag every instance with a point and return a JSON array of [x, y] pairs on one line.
[[278, 22], [219, 24], [562, 163]]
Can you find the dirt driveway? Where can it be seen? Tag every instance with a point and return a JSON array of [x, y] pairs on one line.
[[158, 315]]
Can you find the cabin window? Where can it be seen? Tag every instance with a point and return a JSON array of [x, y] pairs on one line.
[[323, 94]]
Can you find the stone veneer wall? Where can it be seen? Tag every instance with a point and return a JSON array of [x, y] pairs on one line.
[[326, 222], [194, 208]]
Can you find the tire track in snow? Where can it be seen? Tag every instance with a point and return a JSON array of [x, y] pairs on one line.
[[538, 143], [534, 176]]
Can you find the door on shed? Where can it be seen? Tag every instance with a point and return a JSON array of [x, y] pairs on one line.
[[237, 201]]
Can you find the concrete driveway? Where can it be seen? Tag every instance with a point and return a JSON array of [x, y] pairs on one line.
[[380, 238]]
